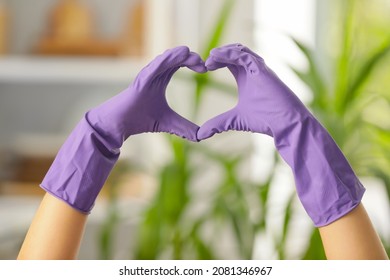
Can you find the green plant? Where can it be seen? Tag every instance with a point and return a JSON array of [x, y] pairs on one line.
[[344, 103]]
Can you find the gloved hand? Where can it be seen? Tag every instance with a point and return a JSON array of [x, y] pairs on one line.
[[325, 182], [86, 158]]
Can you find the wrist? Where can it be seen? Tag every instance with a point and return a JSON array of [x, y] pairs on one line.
[[326, 184], [81, 167]]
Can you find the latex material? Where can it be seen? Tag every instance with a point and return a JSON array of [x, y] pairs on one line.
[[325, 182], [86, 158]]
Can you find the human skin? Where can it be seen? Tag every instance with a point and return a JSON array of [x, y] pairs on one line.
[[57, 230], [352, 237]]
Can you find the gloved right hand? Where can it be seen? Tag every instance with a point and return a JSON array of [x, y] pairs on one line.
[[86, 158], [325, 182]]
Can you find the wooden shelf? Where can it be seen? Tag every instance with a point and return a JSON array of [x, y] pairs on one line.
[[73, 70]]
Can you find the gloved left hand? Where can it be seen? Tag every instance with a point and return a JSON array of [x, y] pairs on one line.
[[326, 184], [86, 158]]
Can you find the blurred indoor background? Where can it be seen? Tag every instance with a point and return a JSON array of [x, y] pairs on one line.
[[230, 197]]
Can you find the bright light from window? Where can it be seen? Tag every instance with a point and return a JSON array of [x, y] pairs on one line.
[[275, 22]]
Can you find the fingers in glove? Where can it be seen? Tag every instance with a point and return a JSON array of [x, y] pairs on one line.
[[174, 123], [223, 122], [234, 55]]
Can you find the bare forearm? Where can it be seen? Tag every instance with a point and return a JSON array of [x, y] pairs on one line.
[[352, 237], [55, 232]]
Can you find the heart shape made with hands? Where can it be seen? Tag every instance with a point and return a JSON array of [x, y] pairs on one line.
[[326, 184], [256, 106], [265, 104]]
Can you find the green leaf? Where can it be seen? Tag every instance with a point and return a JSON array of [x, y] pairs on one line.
[[150, 239], [180, 150], [368, 67], [312, 77], [200, 85], [172, 194], [158, 229], [263, 191], [286, 224], [214, 41], [219, 27], [203, 250], [381, 138], [315, 249], [344, 59]]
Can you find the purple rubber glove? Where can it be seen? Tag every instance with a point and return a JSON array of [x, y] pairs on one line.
[[325, 182], [85, 160]]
